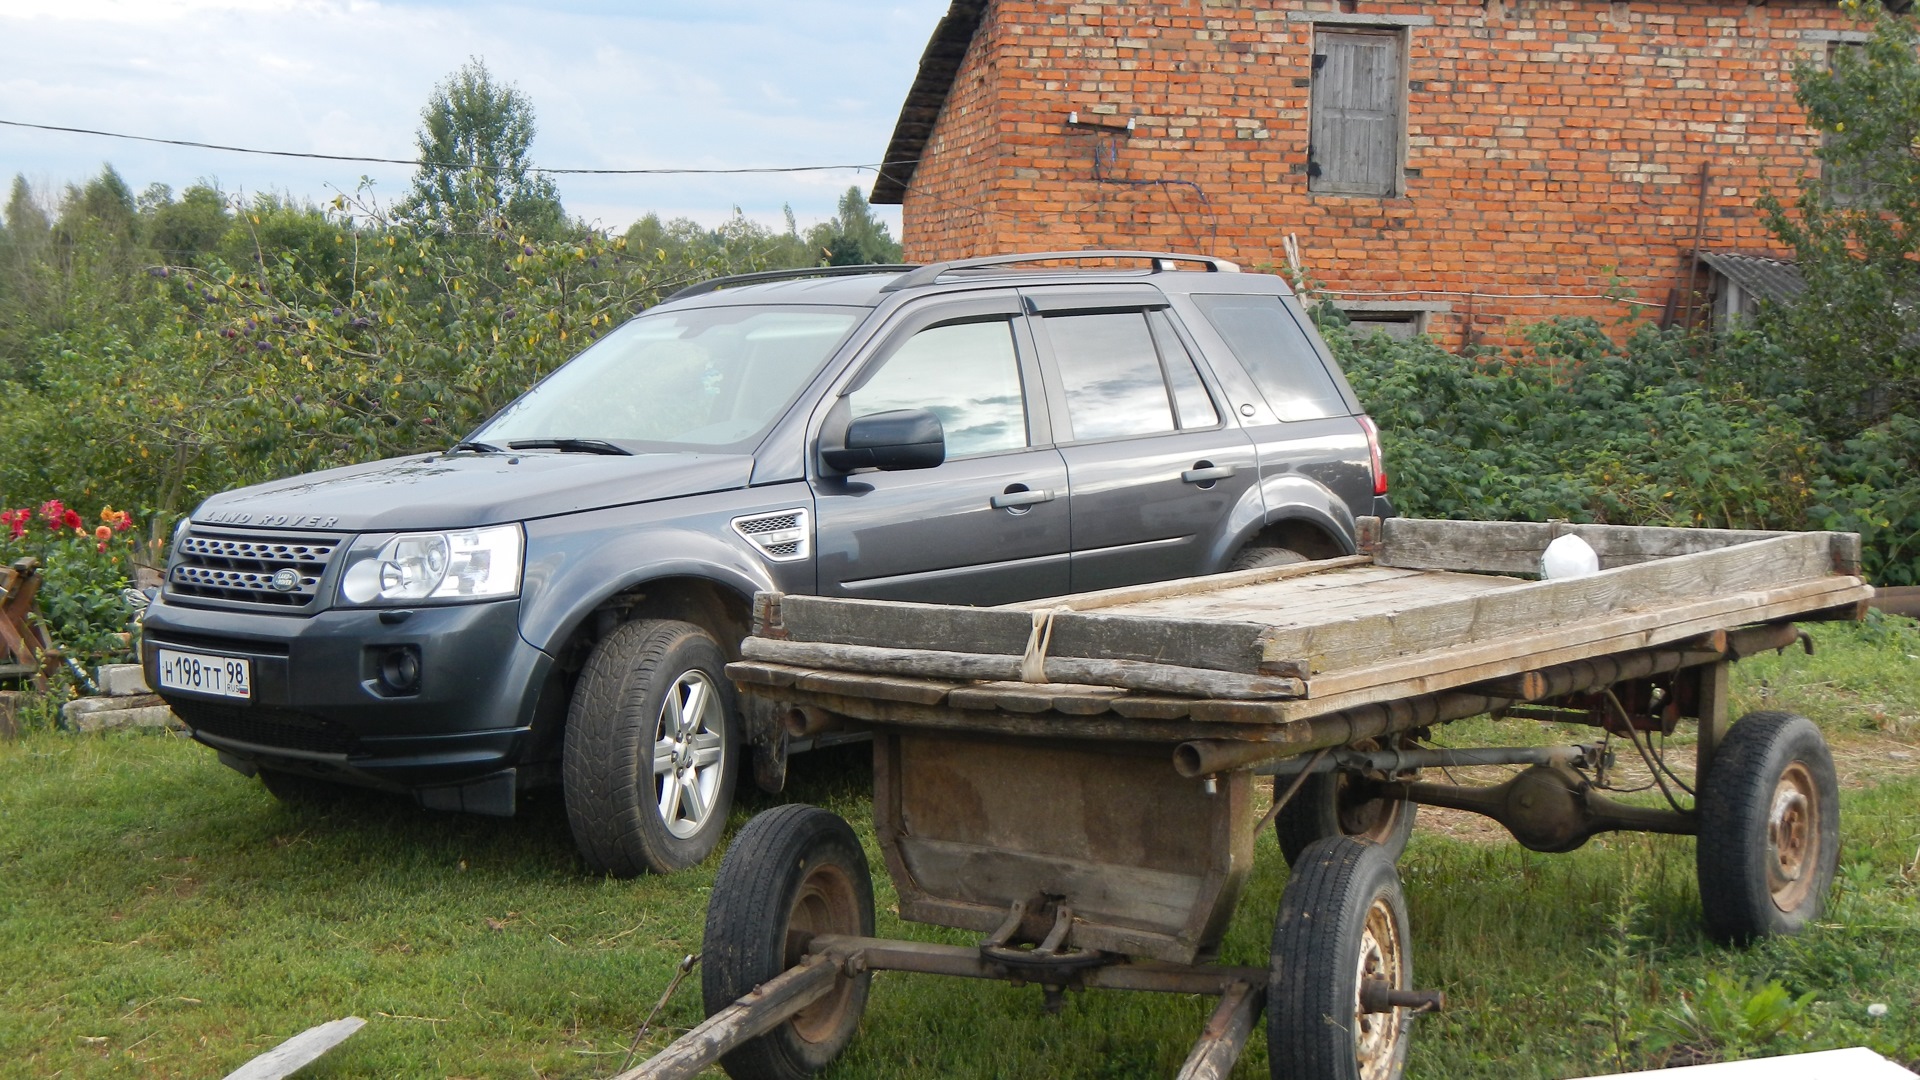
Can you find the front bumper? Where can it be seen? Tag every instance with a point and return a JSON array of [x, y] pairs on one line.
[[319, 706]]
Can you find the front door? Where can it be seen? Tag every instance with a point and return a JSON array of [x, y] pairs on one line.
[[988, 526]]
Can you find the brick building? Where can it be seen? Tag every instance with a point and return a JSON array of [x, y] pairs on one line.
[[1447, 167]]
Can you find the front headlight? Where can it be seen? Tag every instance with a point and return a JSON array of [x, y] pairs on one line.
[[472, 564]]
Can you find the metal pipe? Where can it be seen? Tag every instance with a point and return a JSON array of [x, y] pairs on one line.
[[1398, 761]]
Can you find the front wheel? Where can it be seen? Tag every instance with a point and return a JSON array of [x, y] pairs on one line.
[[1340, 942], [651, 749], [1769, 828], [794, 872]]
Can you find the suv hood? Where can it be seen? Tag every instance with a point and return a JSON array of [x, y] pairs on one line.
[[458, 491]]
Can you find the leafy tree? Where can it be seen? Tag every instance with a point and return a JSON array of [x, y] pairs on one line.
[[474, 140], [1854, 333], [184, 231], [854, 236]]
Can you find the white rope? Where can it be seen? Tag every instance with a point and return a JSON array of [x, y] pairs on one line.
[[1033, 665]]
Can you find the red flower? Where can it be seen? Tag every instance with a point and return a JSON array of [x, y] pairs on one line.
[[71, 519], [53, 512]]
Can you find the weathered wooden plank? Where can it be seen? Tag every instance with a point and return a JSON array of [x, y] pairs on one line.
[[877, 687], [294, 1054], [1131, 594], [1113, 726], [1213, 1056], [890, 622], [1034, 698], [933, 663], [1516, 546], [1518, 610], [764, 1008], [1144, 707], [1227, 599], [1418, 675]]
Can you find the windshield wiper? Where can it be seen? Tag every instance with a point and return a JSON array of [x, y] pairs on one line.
[[476, 447], [571, 446]]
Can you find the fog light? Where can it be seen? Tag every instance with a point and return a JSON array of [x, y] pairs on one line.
[[400, 670]]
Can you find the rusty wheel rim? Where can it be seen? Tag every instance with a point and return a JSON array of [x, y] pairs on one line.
[[1793, 837], [1378, 1036], [825, 904]]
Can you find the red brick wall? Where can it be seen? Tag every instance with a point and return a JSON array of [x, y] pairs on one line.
[[1554, 147]]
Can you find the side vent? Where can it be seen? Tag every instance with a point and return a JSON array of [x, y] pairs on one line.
[[783, 536]]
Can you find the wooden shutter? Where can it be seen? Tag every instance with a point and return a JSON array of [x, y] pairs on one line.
[[1359, 90]]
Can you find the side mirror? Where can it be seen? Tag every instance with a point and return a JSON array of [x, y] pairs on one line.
[[890, 441]]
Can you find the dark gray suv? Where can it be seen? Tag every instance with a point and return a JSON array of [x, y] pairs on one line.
[[553, 600]]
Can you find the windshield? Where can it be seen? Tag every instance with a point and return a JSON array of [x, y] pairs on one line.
[[697, 379]]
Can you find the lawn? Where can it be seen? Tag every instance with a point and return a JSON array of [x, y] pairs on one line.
[[161, 916]]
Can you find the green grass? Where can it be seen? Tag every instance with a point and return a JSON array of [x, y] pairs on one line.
[[161, 916]]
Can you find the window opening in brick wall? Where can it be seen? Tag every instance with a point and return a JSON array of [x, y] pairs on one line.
[[1359, 109], [1398, 325], [1847, 182]]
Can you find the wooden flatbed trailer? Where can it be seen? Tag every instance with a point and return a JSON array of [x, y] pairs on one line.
[[1073, 778]]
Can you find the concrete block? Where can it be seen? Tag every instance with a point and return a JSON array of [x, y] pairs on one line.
[[121, 680], [91, 714]]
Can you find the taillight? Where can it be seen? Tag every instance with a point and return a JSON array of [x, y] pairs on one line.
[[1373, 453]]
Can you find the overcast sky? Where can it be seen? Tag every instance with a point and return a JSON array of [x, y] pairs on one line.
[[714, 84]]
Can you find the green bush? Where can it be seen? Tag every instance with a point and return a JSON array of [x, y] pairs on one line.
[[1582, 427]]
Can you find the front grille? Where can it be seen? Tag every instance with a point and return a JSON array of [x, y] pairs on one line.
[[782, 536], [278, 571], [292, 731]]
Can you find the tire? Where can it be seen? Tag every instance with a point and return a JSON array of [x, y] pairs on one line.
[[1253, 557], [1331, 804], [1769, 829], [294, 789], [1342, 919], [794, 870], [651, 749]]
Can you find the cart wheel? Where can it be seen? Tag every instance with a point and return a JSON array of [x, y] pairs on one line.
[[1769, 828], [1332, 804], [649, 754], [793, 872], [1342, 925]]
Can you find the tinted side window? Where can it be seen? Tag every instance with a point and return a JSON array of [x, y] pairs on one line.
[[1111, 372], [1276, 352], [966, 373], [1190, 398]]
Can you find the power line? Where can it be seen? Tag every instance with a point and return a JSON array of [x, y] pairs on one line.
[[363, 159]]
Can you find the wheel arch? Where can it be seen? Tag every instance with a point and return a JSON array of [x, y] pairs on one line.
[[1302, 515]]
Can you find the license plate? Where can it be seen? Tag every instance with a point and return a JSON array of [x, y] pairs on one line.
[[205, 673]]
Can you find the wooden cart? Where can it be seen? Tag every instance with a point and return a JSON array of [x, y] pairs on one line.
[[1073, 779]]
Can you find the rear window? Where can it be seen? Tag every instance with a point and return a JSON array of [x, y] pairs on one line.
[[1276, 352]]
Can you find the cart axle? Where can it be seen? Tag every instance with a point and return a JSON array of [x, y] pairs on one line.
[[1379, 996]]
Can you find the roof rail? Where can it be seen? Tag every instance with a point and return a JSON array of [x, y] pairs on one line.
[[928, 274], [715, 284]]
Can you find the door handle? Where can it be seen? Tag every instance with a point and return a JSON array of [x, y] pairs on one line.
[[1012, 499], [1207, 474]]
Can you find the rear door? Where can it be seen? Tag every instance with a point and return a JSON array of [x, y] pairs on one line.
[[988, 526], [1154, 461]]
